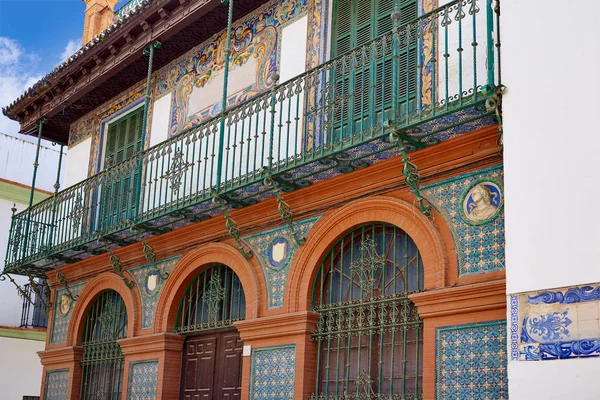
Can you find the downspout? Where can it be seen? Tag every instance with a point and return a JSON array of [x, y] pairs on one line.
[[227, 52], [148, 52]]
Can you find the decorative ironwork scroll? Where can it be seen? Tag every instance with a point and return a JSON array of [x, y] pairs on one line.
[[214, 295], [176, 171], [65, 284], [494, 104], [117, 266], [149, 253], [284, 210], [231, 225]]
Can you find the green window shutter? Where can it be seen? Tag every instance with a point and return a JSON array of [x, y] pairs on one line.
[[357, 22], [123, 138]]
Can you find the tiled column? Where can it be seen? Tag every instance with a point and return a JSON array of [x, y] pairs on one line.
[[61, 378], [152, 365], [463, 311], [283, 340]]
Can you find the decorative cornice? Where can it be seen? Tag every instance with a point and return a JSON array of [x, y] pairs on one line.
[[61, 355], [298, 323], [152, 343], [461, 299]]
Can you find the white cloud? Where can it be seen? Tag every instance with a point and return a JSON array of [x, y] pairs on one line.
[[10, 51], [17, 74], [72, 46]]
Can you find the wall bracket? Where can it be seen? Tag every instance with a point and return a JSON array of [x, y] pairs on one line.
[[117, 266], [149, 253], [284, 210], [411, 174], [22, 293], [65, 284], [494, 104], [231, 225]]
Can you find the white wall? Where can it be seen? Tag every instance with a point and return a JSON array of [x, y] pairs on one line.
[[77, 163], [20, 368], [550, 64], [16, 162]]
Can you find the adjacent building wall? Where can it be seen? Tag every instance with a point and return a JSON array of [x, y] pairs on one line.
[[20, 367], [550, 65]]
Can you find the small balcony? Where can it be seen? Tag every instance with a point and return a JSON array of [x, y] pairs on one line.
[[422, 83]]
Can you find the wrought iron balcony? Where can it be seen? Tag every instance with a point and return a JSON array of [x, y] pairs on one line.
[[128, 7], [420, 84], [34, 313]]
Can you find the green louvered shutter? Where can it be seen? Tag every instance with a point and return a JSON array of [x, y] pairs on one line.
[[356, 23], [122, 142]]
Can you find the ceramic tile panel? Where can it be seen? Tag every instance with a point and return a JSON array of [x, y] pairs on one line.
[[273, 373], [57, 385], [275, 250], [473, 206], [143, 380], [471, 361], [61, 309], [555, 324], [149, 282]]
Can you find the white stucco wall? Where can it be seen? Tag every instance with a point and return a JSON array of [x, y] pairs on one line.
[[78, 159], [16, 162], [550, 64], [161, 113], [20, 368]]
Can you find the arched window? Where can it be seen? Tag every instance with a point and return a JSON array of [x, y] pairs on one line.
[[369, 333], [214, 299], [102, 362]]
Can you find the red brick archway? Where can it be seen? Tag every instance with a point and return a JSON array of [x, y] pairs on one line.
[[330, 228], [188, 267]]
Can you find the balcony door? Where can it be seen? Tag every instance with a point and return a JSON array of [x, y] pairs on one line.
[[363, 82], [123, 140]]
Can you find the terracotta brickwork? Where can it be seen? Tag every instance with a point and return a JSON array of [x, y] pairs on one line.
[[376, 193]]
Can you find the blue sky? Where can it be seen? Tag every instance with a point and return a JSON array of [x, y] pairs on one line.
[[35, 36]]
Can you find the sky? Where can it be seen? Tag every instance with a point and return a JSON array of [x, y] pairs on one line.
[[35, 37]]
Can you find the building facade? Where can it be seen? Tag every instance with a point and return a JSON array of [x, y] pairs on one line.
[[305, 201], [22, 323]]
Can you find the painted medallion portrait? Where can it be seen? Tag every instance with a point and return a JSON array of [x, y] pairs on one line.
[[482, 202], [65, 304]]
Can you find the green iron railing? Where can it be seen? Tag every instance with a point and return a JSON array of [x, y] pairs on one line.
[[437, 65], [127, 8]]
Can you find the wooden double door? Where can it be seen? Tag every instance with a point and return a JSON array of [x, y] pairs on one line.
[[212, 366]]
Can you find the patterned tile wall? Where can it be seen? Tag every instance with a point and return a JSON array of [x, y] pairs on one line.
[[61, 313], [476, 219], [57, 385], [555, 324], [275, 250], [143, 380], [273, 373], [149, 283], [471, 362]]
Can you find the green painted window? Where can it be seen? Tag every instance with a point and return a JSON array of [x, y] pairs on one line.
[[356, 24], [123, 140]]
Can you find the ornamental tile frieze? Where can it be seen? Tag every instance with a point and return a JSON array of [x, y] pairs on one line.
[[149, 282], [473, 206], [555, 324], [61, 312], [275, 250]]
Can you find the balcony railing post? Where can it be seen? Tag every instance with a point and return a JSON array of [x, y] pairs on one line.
[[490, 42], [274, 80], [148, 52], [32, 192], [54, 198], [11, 234], [227, 52]]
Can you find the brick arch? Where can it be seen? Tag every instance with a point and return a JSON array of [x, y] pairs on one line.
[[375, 209], [90, 292], [188, 267]]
